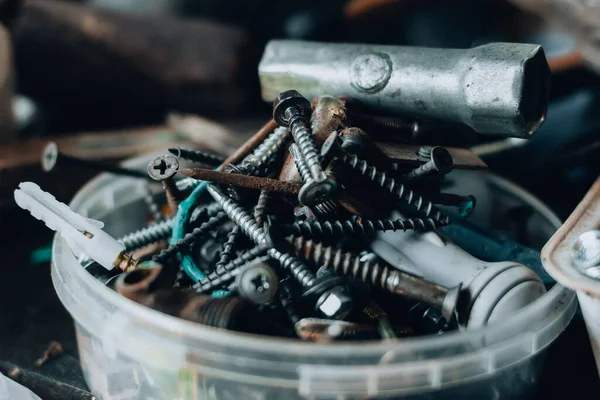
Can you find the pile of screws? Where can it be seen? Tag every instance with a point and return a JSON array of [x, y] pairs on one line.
[[280, 232]]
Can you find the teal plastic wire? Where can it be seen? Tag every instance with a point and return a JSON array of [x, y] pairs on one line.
[[184, 213]]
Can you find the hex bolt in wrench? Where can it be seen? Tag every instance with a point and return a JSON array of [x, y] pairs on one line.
[[496, 88]]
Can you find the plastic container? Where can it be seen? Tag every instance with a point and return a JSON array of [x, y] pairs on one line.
[[557, 259], [132, 352]]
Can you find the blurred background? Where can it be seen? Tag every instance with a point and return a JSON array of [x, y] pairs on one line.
[[109, 79]]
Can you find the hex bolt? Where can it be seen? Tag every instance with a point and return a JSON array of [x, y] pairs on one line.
[[292, 110], [332, 149], [331, 300], [257, 282], [440, 162], [197, 156], [326, 208], [52, 157], [163, 169], [370, 271]]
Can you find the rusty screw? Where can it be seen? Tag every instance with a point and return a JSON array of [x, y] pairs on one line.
[[292, 110]]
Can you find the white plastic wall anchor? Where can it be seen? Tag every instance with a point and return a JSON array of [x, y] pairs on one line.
[[84, 235], [490, 291]]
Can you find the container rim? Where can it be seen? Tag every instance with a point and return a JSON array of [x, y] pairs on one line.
[[493, 334]]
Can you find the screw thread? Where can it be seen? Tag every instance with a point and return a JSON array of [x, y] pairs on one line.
[[319, 230], [247, 224], [400, 191], [260, 211], [197, 156], [190, 238], [227, 272], [296, 268], [267, 150], [228, 251], [152, 206], [327, 208], [301, 166], [303, 138], [151, 234], [342, 262]]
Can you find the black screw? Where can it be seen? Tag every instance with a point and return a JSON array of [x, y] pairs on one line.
[[330, 299], [52, 157], [163, 169], [329, 229], [197, 156], [440, 162], [332, 148], [292, 110]]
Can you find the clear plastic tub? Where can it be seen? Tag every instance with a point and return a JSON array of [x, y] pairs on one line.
[[132, 352]]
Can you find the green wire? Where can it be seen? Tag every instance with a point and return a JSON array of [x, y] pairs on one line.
[[184, 213]]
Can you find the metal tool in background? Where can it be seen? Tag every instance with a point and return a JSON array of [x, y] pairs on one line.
[[497, 88]]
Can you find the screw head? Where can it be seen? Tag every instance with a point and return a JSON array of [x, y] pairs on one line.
[[442, 160], [163, 167], [331, 147], [313, 192], [49, 156], [285, 100], [585, 253], [257, 282], [304, 214]]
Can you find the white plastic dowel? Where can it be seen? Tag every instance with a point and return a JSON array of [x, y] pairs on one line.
[[84, 235]]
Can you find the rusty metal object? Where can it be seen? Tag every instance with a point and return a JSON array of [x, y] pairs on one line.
[[409, 155], [250, 182], [329, 114], [136, 285], [53, 351], [251, 143]]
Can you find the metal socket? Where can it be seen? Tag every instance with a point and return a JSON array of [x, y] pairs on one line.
[[496, 88]]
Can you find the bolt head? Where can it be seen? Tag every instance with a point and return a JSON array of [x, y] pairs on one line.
[[257, 282], [442, 160], [304, 214], [585, 253], [163, 167], [335, 303], [49, 157], [331, 147], [285, 100], [313, 193]]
